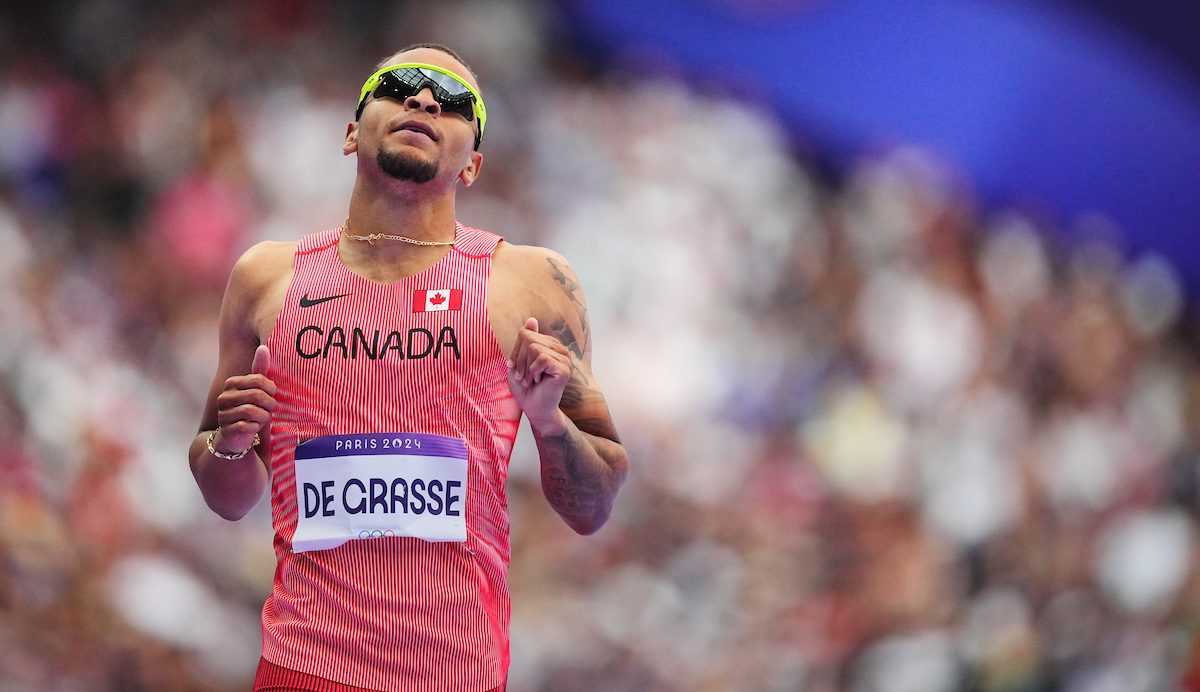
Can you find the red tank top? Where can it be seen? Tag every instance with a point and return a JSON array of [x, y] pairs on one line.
[[393, 613]]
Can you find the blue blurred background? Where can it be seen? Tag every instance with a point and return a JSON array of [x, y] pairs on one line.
[[894, 304]]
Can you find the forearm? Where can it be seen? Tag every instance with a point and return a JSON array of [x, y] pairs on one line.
[[230, 488], [581, 475]]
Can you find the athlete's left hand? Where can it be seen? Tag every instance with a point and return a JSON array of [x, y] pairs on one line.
[[538, 371]]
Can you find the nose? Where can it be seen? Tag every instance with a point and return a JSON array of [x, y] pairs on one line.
[[424, 100]]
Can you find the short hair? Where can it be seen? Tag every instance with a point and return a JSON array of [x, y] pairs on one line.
[[435, 46]]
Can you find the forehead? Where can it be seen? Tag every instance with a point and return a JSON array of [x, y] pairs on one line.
[[433, 56]]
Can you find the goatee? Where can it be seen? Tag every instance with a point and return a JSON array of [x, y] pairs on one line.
[[404, 167]]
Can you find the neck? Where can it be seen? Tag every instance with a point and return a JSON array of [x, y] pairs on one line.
[[417, 216]]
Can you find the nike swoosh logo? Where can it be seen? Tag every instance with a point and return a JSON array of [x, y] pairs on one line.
[[306, 303]]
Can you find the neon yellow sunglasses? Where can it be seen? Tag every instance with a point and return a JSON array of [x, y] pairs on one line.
[[451, 91]]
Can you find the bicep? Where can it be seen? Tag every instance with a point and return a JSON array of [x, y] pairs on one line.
[[582, 400], [236, 342], [568, 318]]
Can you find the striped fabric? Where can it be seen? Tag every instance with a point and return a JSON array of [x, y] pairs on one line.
[[273, 678], [392, 613]]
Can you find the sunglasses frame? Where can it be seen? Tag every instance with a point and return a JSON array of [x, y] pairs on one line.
[[373, 81]]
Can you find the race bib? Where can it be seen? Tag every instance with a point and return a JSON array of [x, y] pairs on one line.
[[380, 484]]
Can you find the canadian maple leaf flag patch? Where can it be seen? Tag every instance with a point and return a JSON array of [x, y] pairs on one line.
[[436, 300]]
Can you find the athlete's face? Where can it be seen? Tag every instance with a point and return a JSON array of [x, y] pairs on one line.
[[414, 139]]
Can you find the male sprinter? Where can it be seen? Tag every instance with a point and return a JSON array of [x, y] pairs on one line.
[[374, 375]]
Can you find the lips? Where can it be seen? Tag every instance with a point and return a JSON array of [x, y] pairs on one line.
[[417, 126]]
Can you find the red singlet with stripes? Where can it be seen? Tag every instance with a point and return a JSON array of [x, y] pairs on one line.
[[393, 613]]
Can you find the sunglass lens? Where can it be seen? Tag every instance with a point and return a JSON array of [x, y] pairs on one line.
[[453, 96], [461, 106], [449, 84], [393, 86]]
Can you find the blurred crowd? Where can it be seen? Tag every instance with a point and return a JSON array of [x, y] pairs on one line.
[[882, 440]]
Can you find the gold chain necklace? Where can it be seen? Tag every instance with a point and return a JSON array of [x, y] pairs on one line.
[[372, 237]]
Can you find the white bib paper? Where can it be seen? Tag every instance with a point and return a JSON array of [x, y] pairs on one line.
[[380, 484]]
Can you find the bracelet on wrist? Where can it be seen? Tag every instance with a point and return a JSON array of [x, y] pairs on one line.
[[229, 457]]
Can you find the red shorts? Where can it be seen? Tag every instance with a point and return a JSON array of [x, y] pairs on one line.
[[273, 678]]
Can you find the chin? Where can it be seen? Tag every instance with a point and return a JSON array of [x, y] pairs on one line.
[[408, 164]]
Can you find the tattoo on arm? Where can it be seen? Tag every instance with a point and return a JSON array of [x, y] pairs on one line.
[[581, 399], [571, 288], [583, 468], [575, 488], [573, 394], [578, 385]]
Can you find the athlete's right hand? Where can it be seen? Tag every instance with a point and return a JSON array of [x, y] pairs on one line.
[[244, 407]]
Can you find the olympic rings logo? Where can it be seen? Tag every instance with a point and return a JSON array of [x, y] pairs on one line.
[[376, 533]]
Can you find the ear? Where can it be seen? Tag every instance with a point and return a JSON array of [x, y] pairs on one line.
[[468, 174], [351, 144]]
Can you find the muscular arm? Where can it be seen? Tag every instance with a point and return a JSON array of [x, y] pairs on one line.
[[232, 488], [583, 463]]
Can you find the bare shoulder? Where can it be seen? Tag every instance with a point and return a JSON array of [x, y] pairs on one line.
[[263, 263], [257, 285], [537, 273], [528, 281], [530, 261], [534, 281]]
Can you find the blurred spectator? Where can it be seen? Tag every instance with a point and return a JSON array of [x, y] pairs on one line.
[[881, 443]]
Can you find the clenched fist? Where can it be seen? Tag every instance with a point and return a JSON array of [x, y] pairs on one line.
[[538, 371], [244, 407]]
